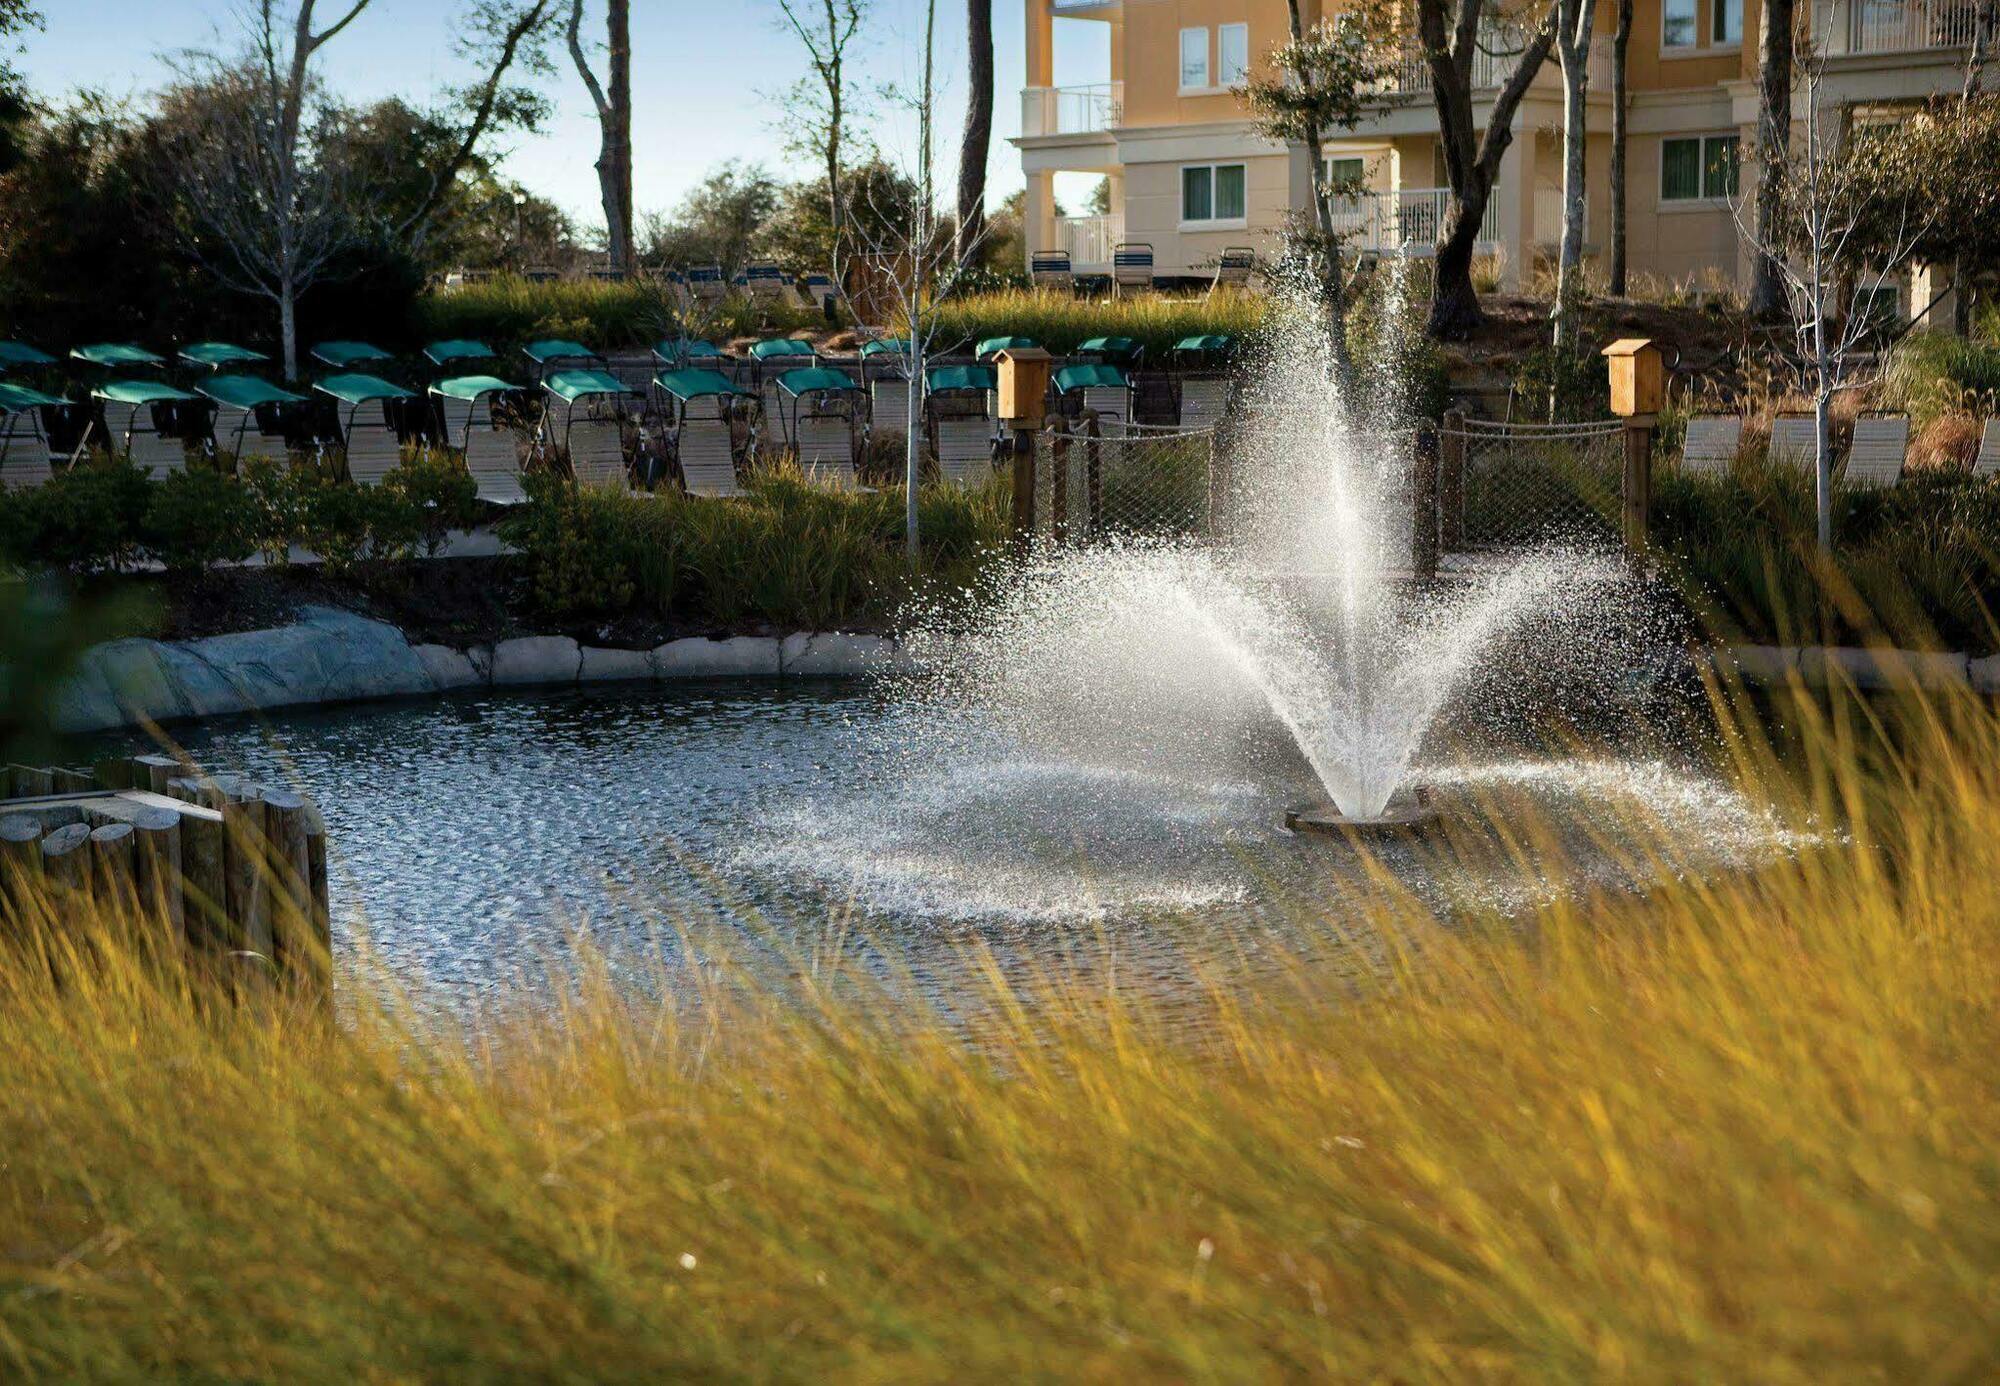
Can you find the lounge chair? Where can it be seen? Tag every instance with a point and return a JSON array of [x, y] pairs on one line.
[[220, 356], [1052, 269], [1987, 463], [821, 289], [1709, 449], [26, 456], [1131, 267], [243, 402], [585, 418], [1232, 271], [964, 450], [1880, 445], [707, 285], [1203, 401], [369, 441], [132, 423], [1100, 389], [492, 453], [819, 406], [1794, 441], [889, 406], [698, 404], [764, 281]]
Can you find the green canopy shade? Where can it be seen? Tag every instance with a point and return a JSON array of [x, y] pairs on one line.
[[668, 349], [574, 385], [139, 392], [1118, 348], [805, 381], [775, 347], [114, 354], [458, 349], [470, 387], [359, 389], [341, 355], [961, 378], [993, 346], [21, 354], [15, 398], [557, 349], [245, 392], [695, 383], [1092, 376], [1213, 341], [886, 346], [216, 355]]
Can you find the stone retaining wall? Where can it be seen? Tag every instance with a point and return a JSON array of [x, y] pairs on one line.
[[333, 656]]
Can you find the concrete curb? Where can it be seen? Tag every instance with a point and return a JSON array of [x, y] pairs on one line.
[[333, 656]]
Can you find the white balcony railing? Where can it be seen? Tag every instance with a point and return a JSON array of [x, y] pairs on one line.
[[1906, 26], [1089, 240], [1071, 110], [1493, 62], [1406, 217]]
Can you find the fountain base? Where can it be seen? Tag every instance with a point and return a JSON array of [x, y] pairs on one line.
[[1405, 815]]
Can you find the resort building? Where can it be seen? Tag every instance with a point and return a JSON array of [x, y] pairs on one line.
[[1187, 173]]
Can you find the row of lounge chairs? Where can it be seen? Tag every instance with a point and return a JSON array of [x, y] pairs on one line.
[[1875, 456], [1132, 269]]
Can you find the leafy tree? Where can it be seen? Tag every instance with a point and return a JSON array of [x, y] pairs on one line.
[[880, 198], [820, 108], [717, 222], [978, 127]]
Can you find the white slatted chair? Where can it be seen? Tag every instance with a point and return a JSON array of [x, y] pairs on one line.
[[826, 449], [889, 406], [1709, 448], [1203, 402], [373, 449], [131, 428], [707, 456], [1232, 271], [1794, 441], [597, 453], [1131, 267], [1880, 446], [1112, 405], [1052, 269], [25, 458], [707, 285], [492, 454], [965, 451], [1987, 463]]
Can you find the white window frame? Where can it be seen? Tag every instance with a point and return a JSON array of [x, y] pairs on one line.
[[1693, 45], [1223, 77], [1213, 222], [1715, 8], [1701, 200], [1207, 62]]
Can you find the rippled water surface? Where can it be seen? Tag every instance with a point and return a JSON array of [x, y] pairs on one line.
[[470, 835]]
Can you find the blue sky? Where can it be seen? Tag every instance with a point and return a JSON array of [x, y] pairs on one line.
[[698, 71]]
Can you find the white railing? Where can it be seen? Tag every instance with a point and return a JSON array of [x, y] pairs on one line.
[[1493, 63], [1071, 110], [1089, 240], [1903, 26], [1412, 217]]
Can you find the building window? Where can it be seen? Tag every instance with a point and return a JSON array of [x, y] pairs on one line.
[[1676, 24], [1699, 167], [1212, 193], [1344, 175], [1725, 22], [1232, 54], [1194, 59]]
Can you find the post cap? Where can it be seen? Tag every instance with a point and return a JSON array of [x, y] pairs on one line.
[[1630, 346]]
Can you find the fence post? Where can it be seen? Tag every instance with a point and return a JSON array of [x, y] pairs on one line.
[[1093, 473], [1059, 483], [1638, 485], [1023, 443], [1451, 481], [1424, 505]]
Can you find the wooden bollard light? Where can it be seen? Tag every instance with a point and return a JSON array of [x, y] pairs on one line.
[[1638, 392], [1024, 394]]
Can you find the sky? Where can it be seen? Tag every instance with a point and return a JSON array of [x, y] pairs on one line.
[[703, 75]]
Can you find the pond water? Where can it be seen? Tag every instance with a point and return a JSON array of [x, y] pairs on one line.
[[471, 835]]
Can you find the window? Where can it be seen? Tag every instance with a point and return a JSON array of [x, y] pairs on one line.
[[1232, 54], [1725, 22], [1194, 59], [1345, 174], [1676, 24], [1698, 167], [1212, 193]]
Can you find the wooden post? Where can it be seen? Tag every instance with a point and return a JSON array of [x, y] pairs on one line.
[[322, 904], [30, 783], [1638, 487], [1093, 480], [20, 858], [157, 863], [1059, 484], [1451, 482], [65, 856], [158, 770], [290, 876], [247, 876], [1023, 443], [72, 781], [112, 867], [116, 772], [1424, 506]]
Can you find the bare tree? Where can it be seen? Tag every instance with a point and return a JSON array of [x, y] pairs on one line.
[[1575, 21], [1827, 222], [612, 99], [1621, 41], [1451, 33], [828, 29], [1775, 25], [978, 126]]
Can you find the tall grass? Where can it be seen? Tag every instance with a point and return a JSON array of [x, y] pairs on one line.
[[1933, 375], [508, 312], [1741, 1128], [1062, 323]]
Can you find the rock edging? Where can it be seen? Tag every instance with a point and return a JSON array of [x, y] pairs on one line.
[[331, 656], [1871, 670]]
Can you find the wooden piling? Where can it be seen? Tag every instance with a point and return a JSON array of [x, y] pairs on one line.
[[66, 857], [158, 770], [290, 868], [247, 875], [20, 859], [157, 867], [1023, 525], [113, 868], [69, 781], [322, 905], [29, 782]]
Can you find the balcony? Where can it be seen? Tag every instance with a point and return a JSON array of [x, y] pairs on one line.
[[1411, 218], [1089, 240], [1906, 26], [1087, 8], [1494, 59], [1086, 110]]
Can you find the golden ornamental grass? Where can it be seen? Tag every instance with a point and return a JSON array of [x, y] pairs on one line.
[[1741, 1128]]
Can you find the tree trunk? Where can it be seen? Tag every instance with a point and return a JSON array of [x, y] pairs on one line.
[[1569, 259], [1620, 42], [1823, 468], [288, 327], [978, 127], [913, 455], [618, 138], [1455, 309], [1774, 137]]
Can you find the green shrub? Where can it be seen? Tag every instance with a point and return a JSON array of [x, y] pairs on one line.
[[441, 495], [1562, 386], [199, 518], [277, 491], [508, 312], [1060, 323], [574, 544], [87, 518], [344, 524], [1933, 374]]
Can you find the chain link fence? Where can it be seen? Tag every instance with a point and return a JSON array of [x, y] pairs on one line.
[[1511, 485], [1101, 478]]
